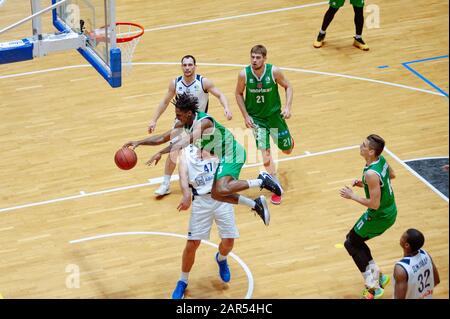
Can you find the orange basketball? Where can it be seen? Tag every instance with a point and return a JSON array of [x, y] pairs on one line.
[[125, 158]]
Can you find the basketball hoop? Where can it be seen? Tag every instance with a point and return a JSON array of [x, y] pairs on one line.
[[128, 35]]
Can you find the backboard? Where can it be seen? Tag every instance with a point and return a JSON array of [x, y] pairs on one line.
[[86, 17]]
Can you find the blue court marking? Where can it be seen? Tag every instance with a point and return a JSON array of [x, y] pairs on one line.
[[406, 65], [383, 66]]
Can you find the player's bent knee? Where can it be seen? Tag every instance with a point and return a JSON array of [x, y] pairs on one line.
[[221, 190], [349, 247], [216, 193], [192, 245], [228, 243]]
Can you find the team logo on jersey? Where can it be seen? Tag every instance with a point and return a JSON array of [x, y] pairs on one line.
[[259, 85], [267, 79], [251, 81]]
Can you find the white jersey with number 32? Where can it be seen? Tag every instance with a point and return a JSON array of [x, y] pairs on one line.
[[420, 275]]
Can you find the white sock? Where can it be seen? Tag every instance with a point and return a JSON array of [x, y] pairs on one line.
[[322, 32], [375, 270], [254, 182], [184, 277], [368, 278], [167, 179], [246, 201], [358, 36], [221, 257]]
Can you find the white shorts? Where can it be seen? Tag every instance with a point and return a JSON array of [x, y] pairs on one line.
[[205, 210]]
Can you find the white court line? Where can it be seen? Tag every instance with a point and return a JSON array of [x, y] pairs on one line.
[[363, 79], [175, 177], [45, 71], [235, 17], [305, 155], [234, 65], [29, 87], [304, 71], [154, 181], [233, 255], [434, 189], [425, 158]]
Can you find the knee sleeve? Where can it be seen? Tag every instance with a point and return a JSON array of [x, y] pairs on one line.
[[357, 248]]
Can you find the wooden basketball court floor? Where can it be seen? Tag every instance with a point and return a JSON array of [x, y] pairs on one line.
[[65, 208]]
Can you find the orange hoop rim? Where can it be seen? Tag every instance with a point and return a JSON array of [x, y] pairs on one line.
[[130, 38]]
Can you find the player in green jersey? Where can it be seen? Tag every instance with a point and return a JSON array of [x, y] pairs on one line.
[[261, 107], [358, 8], [380, 215], [208, 134]]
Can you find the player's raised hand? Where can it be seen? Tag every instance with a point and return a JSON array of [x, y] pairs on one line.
[[154, 159], [151, 126], [346, 192]]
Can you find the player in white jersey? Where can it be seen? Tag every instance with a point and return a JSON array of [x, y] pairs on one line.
[[197, 169], [193, 84], [415, 276]]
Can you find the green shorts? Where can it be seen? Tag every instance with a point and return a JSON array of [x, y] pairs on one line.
[[231, 164], [368, 227], [274, 126], [339, 3]]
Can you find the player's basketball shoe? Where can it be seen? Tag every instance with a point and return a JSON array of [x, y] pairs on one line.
[[163, 189], [262, 209], [320, 40], [360, 44], [178, 293], [372, 293], [270, 184], [224, 271], [384, 280]]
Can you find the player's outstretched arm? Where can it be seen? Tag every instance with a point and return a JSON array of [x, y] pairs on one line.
[[209, 87], [155, 140], [162, 107], [183, 141]]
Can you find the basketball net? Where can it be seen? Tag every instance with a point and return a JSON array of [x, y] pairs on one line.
[[128, 35]]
